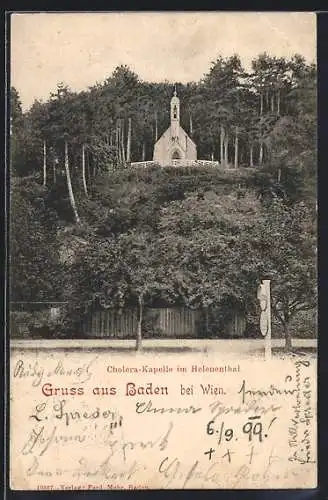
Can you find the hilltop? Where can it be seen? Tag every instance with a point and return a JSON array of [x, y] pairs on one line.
[[193, 236]]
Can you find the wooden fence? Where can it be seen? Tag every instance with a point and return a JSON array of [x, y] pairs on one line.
[[175, 322], [159, 322]]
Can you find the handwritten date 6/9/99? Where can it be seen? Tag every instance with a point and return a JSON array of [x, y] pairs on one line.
[[253, 428]]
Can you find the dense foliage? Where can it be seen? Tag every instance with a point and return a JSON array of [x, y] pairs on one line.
[[89, 229]]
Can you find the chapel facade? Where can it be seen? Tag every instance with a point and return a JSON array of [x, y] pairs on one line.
[[174, 144]]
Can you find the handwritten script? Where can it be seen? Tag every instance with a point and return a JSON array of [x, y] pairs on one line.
[[81, 422]]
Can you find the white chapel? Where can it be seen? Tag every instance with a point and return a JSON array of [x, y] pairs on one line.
[[174, 144]]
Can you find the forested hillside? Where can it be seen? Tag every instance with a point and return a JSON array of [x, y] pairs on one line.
[[88, 229]]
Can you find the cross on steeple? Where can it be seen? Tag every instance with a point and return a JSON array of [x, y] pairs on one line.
[[175, 90]]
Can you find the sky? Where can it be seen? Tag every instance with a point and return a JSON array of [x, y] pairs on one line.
[[80, 49]]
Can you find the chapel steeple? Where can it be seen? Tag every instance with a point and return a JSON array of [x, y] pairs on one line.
[[175, 113], [174, 146]]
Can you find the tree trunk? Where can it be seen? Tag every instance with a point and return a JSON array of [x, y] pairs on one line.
[[190, 124], [156, 128], [128, 146], [44, 163], [279, 175], [143, 151], [251, 161], [120, 144], [267, 98], [272, 103], [54, 169], [261, 104], [122, 141], [116, 141], [139, 331], [226, 146], [93, 168], [118, 151], [89, 165], [221, 145], [261, 153], [278, 103], [236, 148], [83, 171], [69, 186], [288, 338]]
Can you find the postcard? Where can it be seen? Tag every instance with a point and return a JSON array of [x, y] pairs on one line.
[[163, 286]]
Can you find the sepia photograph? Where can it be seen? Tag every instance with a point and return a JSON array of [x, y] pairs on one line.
[[163, 250]]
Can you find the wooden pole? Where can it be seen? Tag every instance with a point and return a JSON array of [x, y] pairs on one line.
[[267, 340], [264, 297]]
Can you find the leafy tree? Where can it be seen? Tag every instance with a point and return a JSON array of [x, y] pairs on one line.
[[284, 244], [36, 273], [205, 249], [230, 114], [16, 113], [16, 128], [120, 270]]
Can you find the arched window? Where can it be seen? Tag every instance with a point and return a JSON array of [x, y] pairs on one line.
[[175, 112], [176, 155]]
